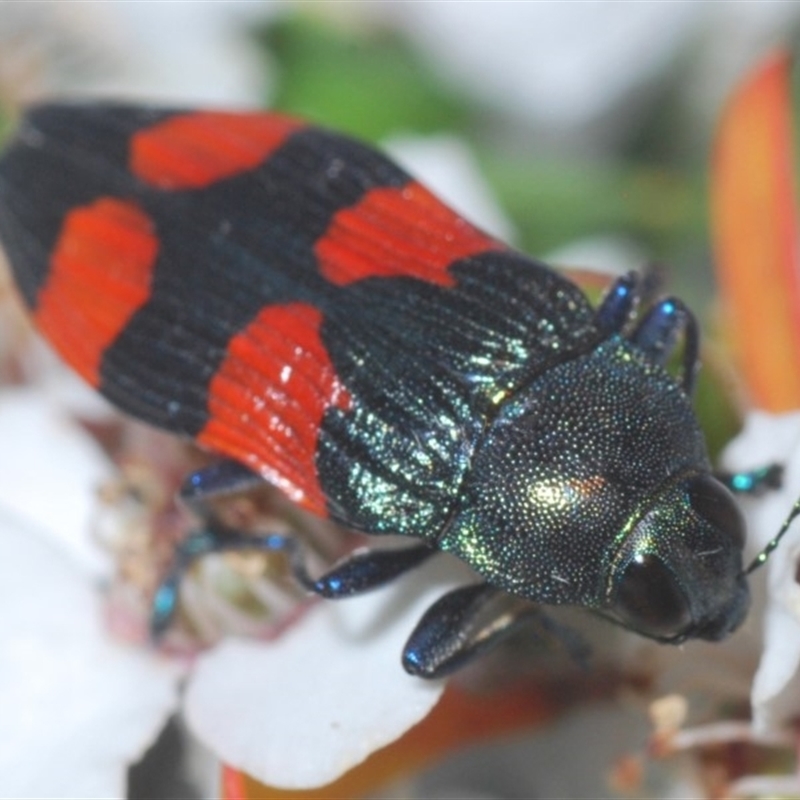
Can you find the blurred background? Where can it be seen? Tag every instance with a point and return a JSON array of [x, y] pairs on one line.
[[585, 128], [588, 124], [590, 121]]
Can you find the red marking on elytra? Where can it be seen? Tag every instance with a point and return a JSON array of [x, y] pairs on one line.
[[100, 273], [269, 396], [194, 150], [391, 232]]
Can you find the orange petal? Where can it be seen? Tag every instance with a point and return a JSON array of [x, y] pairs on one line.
[[754, 220]]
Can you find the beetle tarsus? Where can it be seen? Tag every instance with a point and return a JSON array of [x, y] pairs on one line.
[[165, 603], [618, 304], [753, 481], [658, 332], [367, 569], [220, 478], [461, 625]]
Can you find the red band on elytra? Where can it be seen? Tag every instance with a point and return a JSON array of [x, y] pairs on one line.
[[100, 274], [398, 231], [192, 151], [268, 398]]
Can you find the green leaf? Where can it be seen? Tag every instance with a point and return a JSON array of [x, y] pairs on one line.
[[367, 82], [716, 408], [6, 124]]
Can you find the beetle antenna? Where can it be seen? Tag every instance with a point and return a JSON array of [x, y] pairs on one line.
[[762, 557]]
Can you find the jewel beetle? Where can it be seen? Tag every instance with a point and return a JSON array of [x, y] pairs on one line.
[[294, 302]]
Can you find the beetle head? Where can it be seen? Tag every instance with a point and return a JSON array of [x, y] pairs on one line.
[[673, 571], [592, 488], [677, 574]]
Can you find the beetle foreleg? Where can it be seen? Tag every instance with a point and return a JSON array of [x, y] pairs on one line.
[[367, 569], [466, 622], [658, 332], [461, 625]]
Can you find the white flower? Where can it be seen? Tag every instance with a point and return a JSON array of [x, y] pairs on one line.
[[300, 711], [776, 688], [78, 707]]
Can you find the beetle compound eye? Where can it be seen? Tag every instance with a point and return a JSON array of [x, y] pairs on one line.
[[649, 599], [715, 504]]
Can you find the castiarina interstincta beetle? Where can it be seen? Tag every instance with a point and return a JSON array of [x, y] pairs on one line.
[[294, 302]]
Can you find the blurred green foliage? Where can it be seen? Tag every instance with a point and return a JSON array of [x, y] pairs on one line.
[[369, 82], [717, 411], [554, 201], [5, 123]]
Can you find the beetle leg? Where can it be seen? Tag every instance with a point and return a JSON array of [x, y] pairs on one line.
[[754, 481], [658, 332], [215, 480], [217, 539], [359, 572], [366, 569], [468, 621], [618, 303], [461, 625], [219, 478]]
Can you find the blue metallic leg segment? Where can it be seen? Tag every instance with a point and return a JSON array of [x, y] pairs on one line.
[[658, 332], [220, 478], [618, 304], [754, 481], [367, 569], [215, 480], [216, 540], [461, 625], [359, 572]]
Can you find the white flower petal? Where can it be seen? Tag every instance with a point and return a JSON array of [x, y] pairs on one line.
[[301, 711], [776, 688], [51, 473], [77, 708], [64, 387], [610, 255]]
